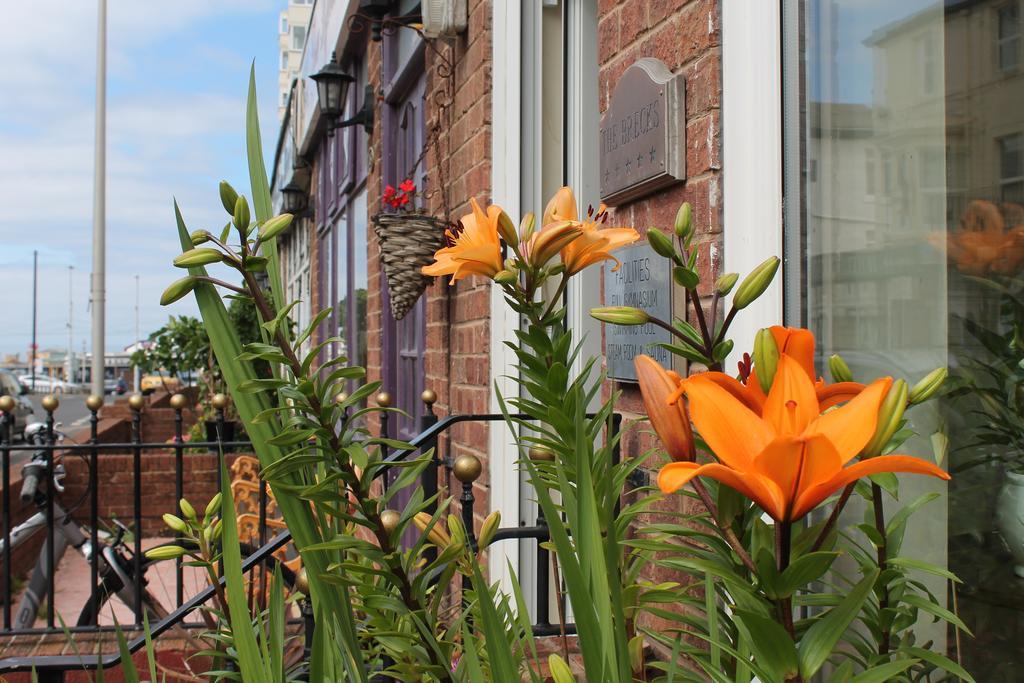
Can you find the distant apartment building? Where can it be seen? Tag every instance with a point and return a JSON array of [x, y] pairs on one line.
[[292, 24]]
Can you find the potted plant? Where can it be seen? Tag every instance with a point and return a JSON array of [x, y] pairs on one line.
[[408, 237]]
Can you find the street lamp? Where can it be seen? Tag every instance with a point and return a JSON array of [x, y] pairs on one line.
[[332, 91], [293, 198]]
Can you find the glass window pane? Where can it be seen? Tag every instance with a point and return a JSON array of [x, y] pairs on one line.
[[341, 315], [906, 253], [360, 284]]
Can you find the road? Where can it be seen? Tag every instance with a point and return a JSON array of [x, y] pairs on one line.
[[72, 413]]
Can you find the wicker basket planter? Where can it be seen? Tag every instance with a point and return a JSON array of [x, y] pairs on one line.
[[407, 243]]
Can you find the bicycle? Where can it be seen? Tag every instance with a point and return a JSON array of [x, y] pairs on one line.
[[116, 563]]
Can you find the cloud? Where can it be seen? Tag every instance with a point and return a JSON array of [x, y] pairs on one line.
[[175, 126]]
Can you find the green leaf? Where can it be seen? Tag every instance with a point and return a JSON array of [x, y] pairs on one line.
[[773, 649], [883, 672], [250, 664], [940, 661], [820, 639], [502, 661]]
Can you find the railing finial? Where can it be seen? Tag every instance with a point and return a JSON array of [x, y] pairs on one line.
[[94, 402], [6, 404], [179, 401], [467, 468], [135, 402], [429, 396], [384, 399], [50, 403]]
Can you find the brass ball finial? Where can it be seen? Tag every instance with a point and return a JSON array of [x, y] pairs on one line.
[[341, 397], [429, 396], [219, 401], [541, 454], [302, 581], [94, 402], [384, 399], [467, 468], [50, 403], [178, 401], [389, 520], [135, 402], [6, 404]]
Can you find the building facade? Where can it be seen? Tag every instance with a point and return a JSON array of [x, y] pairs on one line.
[[292, 24], [858, 141]]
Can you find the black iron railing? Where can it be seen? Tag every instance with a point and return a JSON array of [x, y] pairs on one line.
[[52, 667]]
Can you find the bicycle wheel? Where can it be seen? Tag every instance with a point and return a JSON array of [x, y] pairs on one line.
[[158, 594]]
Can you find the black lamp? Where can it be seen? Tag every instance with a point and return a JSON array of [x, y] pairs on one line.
[[375, 10], [293, 198], [332, 91]]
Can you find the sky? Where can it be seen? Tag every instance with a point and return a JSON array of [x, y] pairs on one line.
[[177, 79]]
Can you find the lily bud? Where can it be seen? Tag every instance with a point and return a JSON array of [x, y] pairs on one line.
[[165, 552], [436, 535], [684, 221], [199, 237], [671, 421], [187, 509], [275, 226], [889, 416], [560, 671], [255, 264], [507, 230], [228, 197], [199, 256], [241, 214], [755, 283], [489, 528], [928, 386], [177, 290], [725, 283], [526, 226], [212, 506], [506, 277], [661, 243], [839, 369], [766, 358], [620, 315], [175, 523]]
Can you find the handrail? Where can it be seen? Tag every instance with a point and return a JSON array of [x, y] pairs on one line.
[[433, 427]]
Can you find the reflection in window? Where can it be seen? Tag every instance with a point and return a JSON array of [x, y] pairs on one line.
[[1008, 43], [906, 253], [1011, 168], [298, 37]]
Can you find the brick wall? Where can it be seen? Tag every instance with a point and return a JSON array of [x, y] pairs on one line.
[[685, 34], [457, 316]]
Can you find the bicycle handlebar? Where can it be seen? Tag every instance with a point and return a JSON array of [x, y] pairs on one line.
[[30, 481]]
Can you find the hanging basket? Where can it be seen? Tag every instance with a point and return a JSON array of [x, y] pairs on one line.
[[407, 243]]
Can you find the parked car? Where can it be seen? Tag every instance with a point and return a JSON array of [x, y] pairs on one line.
[[151, 383], [49, 385], [23, 410]]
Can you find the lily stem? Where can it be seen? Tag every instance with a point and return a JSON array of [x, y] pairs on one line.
[[833, 518], [694, 345], [727, 532], [783, 548], [883, 601]]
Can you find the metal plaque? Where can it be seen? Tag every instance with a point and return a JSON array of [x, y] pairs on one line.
[[643, 133], [644, 281]]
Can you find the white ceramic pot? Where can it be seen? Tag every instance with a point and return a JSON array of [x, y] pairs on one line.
[[1010, 518]]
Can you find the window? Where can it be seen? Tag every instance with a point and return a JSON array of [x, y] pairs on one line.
[[284, 59], [284, 24], [298, 37], [1008, 39], [284, 98], [900, 256]]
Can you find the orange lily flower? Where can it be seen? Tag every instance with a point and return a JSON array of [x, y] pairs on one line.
[[982, 244], [594, 244], [544, 244], [473, 246], [670, 420], [792, 457], [798, 344]]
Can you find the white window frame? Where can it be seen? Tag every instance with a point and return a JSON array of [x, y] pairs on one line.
[[1001, 142], [283, 27], [506, 191], [752, 153], [285, 59], [291, 37]]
